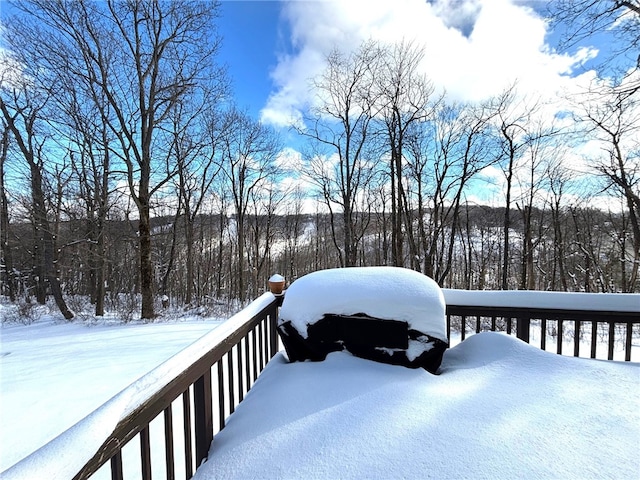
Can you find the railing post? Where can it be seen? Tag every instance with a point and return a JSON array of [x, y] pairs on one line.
[[273, 327], [276, 286], [523, 328], [203, 416]]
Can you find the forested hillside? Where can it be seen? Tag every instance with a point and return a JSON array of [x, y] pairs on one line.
[[575, 249], [127, 171]]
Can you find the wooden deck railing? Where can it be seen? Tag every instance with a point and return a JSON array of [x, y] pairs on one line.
[[182, 396], [218, 369], [579, 321]]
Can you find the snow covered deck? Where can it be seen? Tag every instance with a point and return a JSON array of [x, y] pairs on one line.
[[498, 408]]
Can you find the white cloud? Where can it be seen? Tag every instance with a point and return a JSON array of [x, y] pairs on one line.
[[290, 159], [473, 48], [11, 71]]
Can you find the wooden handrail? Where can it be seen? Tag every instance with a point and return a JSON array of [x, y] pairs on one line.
[[530, 307]]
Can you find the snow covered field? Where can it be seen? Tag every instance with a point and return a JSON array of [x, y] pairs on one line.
[[53, 374]]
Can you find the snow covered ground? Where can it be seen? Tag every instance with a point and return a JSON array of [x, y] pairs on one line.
[[53, 373]]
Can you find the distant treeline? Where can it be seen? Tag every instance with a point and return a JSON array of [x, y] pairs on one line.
[[577, 249]]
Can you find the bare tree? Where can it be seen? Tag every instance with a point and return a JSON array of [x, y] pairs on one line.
[[582, 19], [514, 117], [559, 178], [341, 125], [585, 18], [531, 202], [405, 96], [444, 157], [249, 150], [20, 108], [79, 115], [613, 118], [144, 58], [292, 231], [195, 145], [262, 232]]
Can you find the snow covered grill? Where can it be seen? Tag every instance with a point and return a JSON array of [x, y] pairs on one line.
[[387, 314]]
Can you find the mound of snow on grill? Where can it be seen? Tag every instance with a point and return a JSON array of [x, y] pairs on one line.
[[388, 293]]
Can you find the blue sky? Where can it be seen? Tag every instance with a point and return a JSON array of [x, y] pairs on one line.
[[251, 32], [475, 48]]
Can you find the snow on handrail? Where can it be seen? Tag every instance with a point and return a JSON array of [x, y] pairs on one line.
[[607, 302]]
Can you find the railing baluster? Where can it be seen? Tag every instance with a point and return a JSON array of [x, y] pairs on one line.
[[543, 334], [230, 383], [202, 405], [221, 414], [493, 323], [255, 354], [612, 330], [168, 443], [116, 466], [594, 338], [560, 337], [261, 345], [270, 351], [576, 338], [241, 390], [145, 453], [523, 328], [463, 326], [627, 342], [267, 343], [247, 362], [477, 323], [186, 422]]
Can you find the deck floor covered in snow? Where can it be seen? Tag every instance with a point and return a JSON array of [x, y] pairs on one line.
[[498, 409]]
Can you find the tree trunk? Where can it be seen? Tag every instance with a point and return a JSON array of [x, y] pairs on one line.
[[8, 277], [507, 226], [189, 274], [48, 245], [559, 249], [240, 269], [100, 275], [146, 266], [219, 275]]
